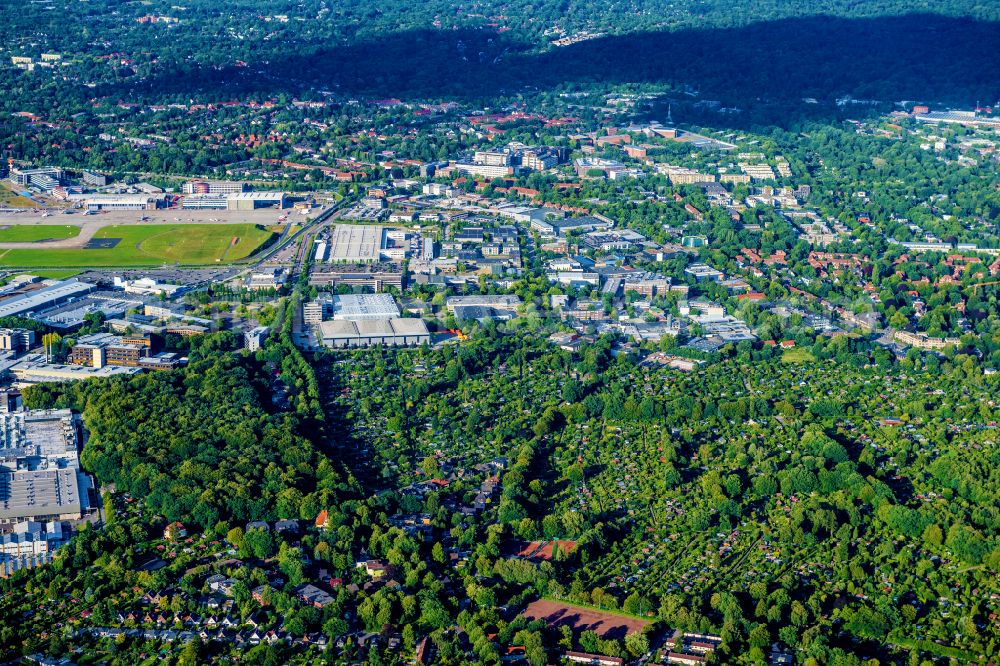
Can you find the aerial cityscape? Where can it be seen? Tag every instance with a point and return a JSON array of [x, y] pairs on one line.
[[502, 332]]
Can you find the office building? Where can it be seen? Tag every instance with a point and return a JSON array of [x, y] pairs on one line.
[[101, 349], [94, 179], [16, 339], [255, 339], [492, 158], [205, 201], [547, 226], [485, 170], [31, 544], [45, 178], [214, 187]]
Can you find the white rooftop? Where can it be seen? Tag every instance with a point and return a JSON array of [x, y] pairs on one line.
[[356, 307]]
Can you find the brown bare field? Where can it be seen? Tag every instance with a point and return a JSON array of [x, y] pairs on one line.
[[580, 618]]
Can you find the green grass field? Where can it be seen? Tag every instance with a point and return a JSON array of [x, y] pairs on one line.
[[797, 355], [11, 199], [56, 273], [151, 245], [29, 233]]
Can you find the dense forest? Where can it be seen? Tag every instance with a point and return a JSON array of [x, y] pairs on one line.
[[836, 501], [205, 444], [785, 51]]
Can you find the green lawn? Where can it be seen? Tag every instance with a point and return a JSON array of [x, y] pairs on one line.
[[151, 245], [797, 355], [56, 273], [29, 233], [11, 199]]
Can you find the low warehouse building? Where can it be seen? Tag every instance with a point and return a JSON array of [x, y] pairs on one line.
[[395, 332]]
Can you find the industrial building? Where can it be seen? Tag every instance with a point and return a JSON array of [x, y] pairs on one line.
[[40, 475], [49, 294], [392, 332], [123, 202], [255, 200], [235, 201], [366, 244], [350, 307], [74, 312], [359, 307], [482, 313], [148, 286]]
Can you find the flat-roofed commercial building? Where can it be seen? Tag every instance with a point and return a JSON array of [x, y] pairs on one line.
[[234, 200], [255, 200], [94, 179], [497, 302], [377, 277], [16, 339], [361, 244], [31, 544], [255, 339], [214, 187], [51, 294], [393, 332], [123, 202], [102, 349], [208, 201], [359, 307], [34, 369], [40, 476]]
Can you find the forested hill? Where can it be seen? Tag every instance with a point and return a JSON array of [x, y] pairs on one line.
[[884, 49], [206, 443]]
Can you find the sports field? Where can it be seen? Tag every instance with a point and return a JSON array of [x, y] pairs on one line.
[[149, 245], [30, 233]]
